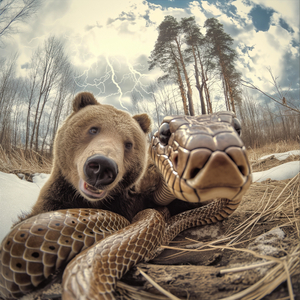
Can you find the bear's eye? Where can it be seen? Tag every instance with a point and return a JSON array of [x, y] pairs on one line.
[[93, 130], [128, 145]]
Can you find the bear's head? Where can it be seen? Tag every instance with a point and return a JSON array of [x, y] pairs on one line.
[[100, 149]]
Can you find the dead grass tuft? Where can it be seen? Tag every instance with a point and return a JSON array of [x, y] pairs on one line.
[[282, 146], [277, 207], [280, 208], [27, 163]]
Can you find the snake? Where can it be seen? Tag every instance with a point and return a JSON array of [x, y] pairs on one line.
[[202, 161]]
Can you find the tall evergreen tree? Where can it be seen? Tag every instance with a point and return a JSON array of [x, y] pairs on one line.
[[169, 56], [195, 42], [221, 49]]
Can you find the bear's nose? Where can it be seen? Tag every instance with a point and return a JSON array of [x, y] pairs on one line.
[[100, 170]]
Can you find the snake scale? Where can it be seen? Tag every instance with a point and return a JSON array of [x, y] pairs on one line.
[[201, 159]]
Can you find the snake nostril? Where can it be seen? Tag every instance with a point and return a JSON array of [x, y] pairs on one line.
[[174, 159], [242, 170], [194, 172]]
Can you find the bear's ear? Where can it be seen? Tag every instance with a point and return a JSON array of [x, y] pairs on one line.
[[83, 99], [144, 121]]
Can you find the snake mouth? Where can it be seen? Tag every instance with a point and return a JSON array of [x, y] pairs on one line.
[[90, 191]]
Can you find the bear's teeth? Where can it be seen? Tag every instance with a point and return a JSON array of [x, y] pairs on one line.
[[92, 189]]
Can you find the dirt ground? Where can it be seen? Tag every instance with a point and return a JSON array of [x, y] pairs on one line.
[[264, 230]]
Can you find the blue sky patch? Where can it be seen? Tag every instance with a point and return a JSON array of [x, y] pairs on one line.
[[261, 18], [171, 3], [285, 25]]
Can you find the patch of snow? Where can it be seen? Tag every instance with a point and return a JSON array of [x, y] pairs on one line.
[[269, 236], [17, 196], [264, 249], [21, 176], [195, 245], [284, 171], [282, 156], [212, 230], [264, 243], [40, 178]]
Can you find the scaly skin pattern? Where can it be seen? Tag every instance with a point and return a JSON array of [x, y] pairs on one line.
[[202, 160], [39, 246], [93, 273]]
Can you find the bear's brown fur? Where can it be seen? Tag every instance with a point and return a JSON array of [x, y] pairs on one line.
[[95, 129]]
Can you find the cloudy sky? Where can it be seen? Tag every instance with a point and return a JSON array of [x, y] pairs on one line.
[[109, 41]]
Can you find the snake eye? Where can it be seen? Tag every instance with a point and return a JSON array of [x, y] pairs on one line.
[[237, 125], [164, 133]]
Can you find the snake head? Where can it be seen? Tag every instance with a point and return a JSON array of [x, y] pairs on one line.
[[202, 157]]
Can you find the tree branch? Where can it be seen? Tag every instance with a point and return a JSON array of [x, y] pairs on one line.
[[253, 87], [12, 14]]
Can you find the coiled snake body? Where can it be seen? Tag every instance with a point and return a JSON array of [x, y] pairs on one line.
[[200, 159]]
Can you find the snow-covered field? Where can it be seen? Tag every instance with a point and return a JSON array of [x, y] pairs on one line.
[[18, 195]]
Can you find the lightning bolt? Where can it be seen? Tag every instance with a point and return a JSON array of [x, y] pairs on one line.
[[134, 80], [113, 74], [104, 72], [137, 81]]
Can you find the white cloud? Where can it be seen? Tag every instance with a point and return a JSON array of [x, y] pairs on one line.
[[288, 9], [269, 47], [124, 30], [211, 8], [197, 12], [243, 9]]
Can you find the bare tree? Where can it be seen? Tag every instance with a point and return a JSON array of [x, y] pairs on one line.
[[31, 87], [8, 89], [281, 97], [135, 99], [13, 13], [51, 63], [65, 91], [152, 89], [263, 124]]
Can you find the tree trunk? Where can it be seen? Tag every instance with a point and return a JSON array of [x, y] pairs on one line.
[[200, 88], [189, 92], [204, 82], [156, 109], [181, 87], [40, 117], [226, 85]]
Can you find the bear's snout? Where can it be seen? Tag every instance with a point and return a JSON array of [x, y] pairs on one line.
[[100, 170]]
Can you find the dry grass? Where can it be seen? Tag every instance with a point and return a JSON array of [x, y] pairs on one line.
[[280, 147], [286, 205], [278, 207], [17, 161]]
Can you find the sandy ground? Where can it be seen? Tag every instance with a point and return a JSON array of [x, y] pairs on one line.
[[263, 230]]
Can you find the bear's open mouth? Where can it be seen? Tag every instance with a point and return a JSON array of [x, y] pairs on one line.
[[90, 191]]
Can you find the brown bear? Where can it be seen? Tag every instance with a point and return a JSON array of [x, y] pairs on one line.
[[100, 153]]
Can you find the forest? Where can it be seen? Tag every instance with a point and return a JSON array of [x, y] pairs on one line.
[[199, 77]]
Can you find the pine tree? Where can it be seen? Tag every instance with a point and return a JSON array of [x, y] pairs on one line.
[[195, 40], [221, 50], [168, 56]]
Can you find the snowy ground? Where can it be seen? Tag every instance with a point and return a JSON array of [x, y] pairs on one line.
[[17, 196]]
